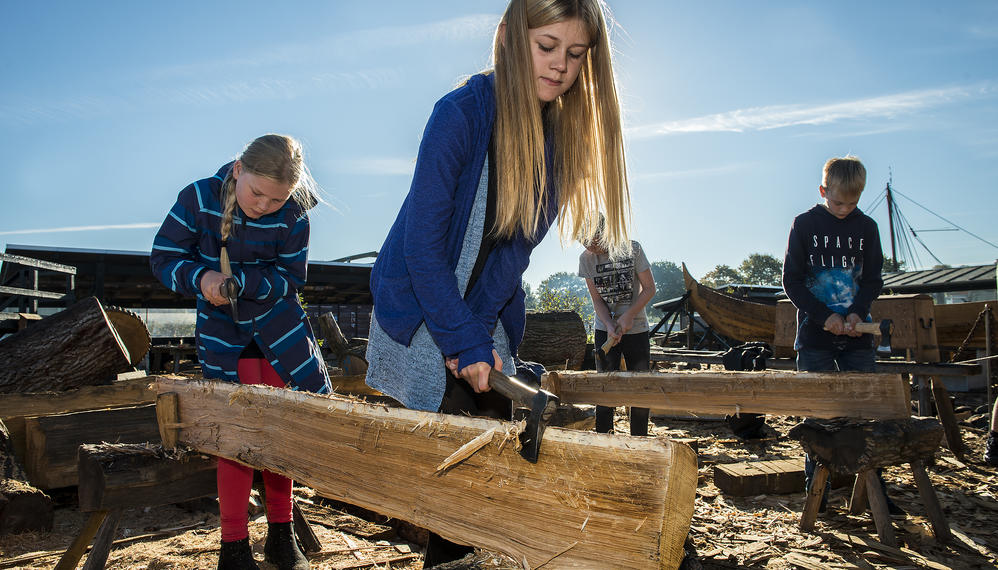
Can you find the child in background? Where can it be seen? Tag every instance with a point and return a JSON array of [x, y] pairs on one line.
[[620, 289], [248, 222], [831, 273], [501, 156]]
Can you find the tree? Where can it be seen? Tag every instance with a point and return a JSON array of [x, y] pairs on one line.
[[761, 269], [565, 291], [720, 275], [892, 265], [669, 282], [530, 299]]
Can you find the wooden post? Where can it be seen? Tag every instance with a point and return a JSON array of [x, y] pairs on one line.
[[168, 418], [303, 530], [927, 350], [857, 502], [931, 502], [97, 558], [74, 553], [814, 496], [878, 506]]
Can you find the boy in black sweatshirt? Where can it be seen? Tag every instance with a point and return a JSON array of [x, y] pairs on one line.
[[831, 272]]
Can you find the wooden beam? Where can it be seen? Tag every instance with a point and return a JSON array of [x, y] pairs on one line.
[[591, 500], [53, 441], [812, 394], [40, 264], [15, 407], [4, 290], [122, 475]]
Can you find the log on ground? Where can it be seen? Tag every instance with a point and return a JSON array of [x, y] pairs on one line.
[[52, 441], [123, 475], [555, 339], [591, 500], [23, 507], [72, 348], [812, 394]]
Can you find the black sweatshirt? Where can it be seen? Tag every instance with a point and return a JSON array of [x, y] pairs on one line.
[[832, 265]]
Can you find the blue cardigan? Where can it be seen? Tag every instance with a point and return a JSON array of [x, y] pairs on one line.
[[269, 258], [413, 278]]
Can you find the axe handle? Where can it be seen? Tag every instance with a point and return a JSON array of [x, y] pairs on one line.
[[610, 343], [868, 328]]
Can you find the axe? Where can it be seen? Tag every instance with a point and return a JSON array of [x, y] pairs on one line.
[[884, 328], [602, 351], [540, 403]]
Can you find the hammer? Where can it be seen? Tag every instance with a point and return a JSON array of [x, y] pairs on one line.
[[884, 328], [540, 403]]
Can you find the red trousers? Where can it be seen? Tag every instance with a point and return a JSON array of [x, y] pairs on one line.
[[236, 480]]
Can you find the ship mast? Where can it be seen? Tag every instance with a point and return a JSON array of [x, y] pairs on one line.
[[890, 215]]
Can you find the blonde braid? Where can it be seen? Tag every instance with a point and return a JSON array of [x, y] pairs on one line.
[[229, 196]]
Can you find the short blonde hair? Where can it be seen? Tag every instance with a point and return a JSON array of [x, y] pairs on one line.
[[844, 176]]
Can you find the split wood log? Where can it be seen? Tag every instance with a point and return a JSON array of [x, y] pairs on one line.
[[122, 475], [812, 394], [849, 446], [72, 348], [15, 407], [591, 500], [555, 339], [23, 508], [52, 441]]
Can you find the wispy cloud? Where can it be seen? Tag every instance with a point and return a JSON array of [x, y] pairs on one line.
[[781, 116], [136, 226], [377, 166]]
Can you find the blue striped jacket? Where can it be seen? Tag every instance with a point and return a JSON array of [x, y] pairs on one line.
[[269, 258]]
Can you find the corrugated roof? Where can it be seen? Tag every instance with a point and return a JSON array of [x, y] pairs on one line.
[[966, 278]]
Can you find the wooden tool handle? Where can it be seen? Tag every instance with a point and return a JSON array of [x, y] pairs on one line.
[[521, 394], [870, 328], [610, 343]]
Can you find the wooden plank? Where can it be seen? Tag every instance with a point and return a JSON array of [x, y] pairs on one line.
[[52, 441], [591, 500], [15, 407], [5, 290], [120, 476], [812, 394], [40, 264], [752, 478]]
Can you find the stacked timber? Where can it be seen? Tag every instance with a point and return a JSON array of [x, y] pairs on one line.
[[23, 507]]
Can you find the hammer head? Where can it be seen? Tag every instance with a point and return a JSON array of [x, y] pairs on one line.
[[542, 408], [886, 329]]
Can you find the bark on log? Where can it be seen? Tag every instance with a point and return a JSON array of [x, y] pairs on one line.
[[813, 394], [53, 441], [23, 508], [117, 476], [849, 446], [555, 339], [591, 500], [75, 347]]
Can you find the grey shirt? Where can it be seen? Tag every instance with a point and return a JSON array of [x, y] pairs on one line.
[[617, 282]]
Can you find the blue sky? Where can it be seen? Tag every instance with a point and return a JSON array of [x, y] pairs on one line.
[[108, 109]]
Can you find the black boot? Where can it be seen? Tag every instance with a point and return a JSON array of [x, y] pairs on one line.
[[991, 450], [281, 548], [236, 555]]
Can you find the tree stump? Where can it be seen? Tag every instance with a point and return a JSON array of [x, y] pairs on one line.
[[848, 446], [73, 348], [555, 339], [23, 508]]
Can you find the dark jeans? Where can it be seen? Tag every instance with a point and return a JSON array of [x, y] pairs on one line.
[[829, 360], [636, 351], [460, 399]]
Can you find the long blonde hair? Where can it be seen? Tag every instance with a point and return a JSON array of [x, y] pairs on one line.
[[279, 158], [589, 165]]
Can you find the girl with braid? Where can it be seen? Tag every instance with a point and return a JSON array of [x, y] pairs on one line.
[[536, 137], [248, 224]]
